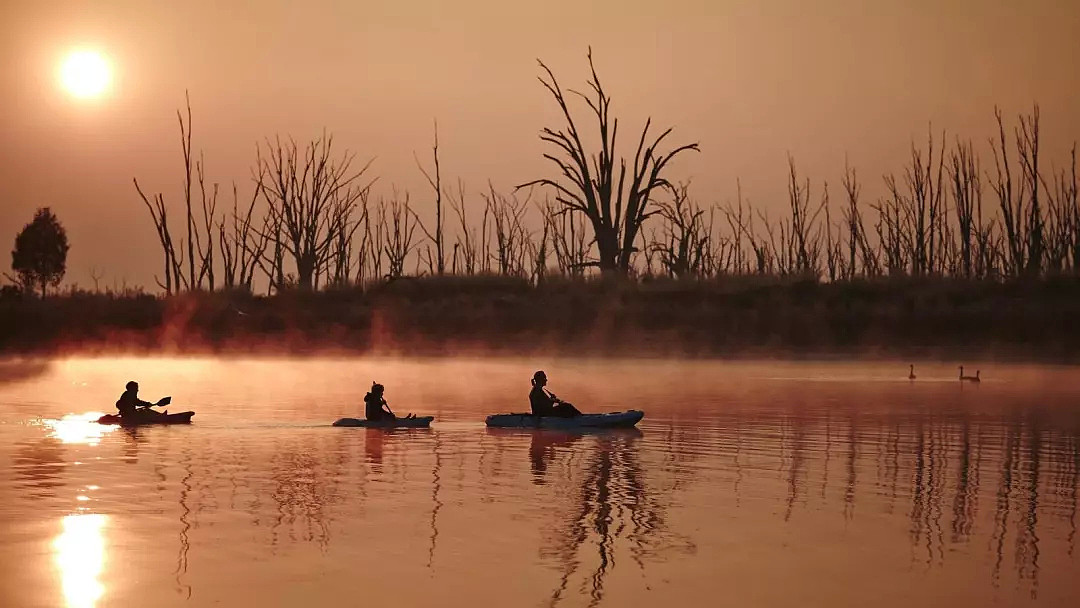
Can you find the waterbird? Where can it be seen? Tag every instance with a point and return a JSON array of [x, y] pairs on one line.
[[974, 378], [911, 372]]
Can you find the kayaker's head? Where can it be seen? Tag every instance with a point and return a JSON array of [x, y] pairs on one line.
[[539, 378], [376, 388], [132, 386]]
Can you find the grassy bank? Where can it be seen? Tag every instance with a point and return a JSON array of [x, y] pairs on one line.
[[733, 316]]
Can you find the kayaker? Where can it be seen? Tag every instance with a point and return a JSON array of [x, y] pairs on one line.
[[129, 403], [375, 406], [546, 404]]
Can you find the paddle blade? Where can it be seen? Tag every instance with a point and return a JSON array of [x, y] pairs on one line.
[[165, 401]]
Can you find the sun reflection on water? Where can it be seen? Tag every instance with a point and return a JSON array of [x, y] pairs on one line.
[[80, 557], [79, 428]]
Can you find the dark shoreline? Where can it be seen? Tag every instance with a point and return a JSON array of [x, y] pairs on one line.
[[737, 317]]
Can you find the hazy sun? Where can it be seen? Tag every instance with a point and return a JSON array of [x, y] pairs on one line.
[[85, 74]]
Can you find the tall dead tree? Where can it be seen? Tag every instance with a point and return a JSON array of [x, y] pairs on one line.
[[241, 245], [159, 213], [468, 245], [966, 193], [511, 238], [1027, 148], [1010, 197], [598, 185], [311, 195], [684, 238], [399, 231], [196, 243], [568, 240], [438, 265]]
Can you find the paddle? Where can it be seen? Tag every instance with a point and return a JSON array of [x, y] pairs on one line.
[[162, 401]]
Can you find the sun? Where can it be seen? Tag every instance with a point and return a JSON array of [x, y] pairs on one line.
[[85, 74]]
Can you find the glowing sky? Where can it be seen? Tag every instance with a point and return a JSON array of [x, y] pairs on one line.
[[750, 80]]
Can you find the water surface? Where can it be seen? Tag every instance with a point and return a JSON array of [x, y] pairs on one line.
[[765, 484]]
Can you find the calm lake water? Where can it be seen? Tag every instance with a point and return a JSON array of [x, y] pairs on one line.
[[747, 484]]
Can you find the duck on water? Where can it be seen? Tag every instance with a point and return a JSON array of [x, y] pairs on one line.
[[964, 378]]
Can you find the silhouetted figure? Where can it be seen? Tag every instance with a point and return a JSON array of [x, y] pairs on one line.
[[547, 404], [131, 406], [911, 372], [375, 406]]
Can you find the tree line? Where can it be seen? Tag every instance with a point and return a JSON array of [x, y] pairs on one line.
[[311, 219]]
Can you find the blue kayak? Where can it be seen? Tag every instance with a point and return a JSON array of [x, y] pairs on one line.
[[418, 422], [611, 420]]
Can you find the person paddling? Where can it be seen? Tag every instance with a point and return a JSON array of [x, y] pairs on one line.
[[375, 406], [129, 403], [547, 404]]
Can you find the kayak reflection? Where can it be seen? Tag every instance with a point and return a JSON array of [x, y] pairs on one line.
[[606, 504], [613, 509]]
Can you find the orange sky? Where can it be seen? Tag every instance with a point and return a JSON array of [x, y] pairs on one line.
[[750, 80]]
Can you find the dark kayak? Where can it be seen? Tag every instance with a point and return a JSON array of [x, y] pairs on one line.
[[611, 420], [418, 422], [155, 418]]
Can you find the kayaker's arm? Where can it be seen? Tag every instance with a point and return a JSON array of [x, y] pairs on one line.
[[386, 406]]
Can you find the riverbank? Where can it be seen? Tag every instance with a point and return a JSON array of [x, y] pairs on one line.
[[727, 317]]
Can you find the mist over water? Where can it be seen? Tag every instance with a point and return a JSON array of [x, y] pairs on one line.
[[747, 483]]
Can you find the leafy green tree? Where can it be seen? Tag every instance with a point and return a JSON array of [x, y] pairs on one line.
[[40, 255]]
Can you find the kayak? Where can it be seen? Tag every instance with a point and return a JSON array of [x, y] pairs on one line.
[[413, 423], [585, 421], [158, 418]]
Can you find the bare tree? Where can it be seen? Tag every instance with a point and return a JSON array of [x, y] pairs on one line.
[[311, 195], [471, 246], [399, 232], [1010, 199], [1027, 147], [598, 183], [438, 265], [857, 241], [568, 240], [684, 240], [160, 216], [918, 208], [96, 275], [803, 235], [511, 238], [241, 245], [204, 242], [966, 192], [200, 232]]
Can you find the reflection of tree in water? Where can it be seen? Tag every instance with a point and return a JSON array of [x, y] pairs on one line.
[[798, 460], [1027, 540], [942, 464], [436, 502], [612, 503], [303, 488], [1069, 480], [1004, 495], [1032, 465], [185, 524], [542, 450], [966, 497]]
